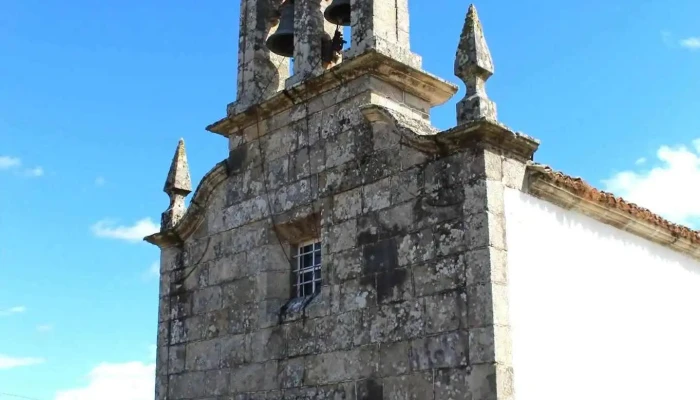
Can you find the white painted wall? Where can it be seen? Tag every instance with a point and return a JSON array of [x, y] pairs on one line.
[[598, 313]]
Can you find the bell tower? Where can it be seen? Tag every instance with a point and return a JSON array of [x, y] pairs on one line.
[[274, 31], [309, 32], [345, 248]]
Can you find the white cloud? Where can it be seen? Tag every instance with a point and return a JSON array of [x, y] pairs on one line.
[[692, 43], [7, 162], [12, 310], [670, 188], [100, 181], [126, 381], [7, 362], [44, 328], [106, 228], [640, 161], [34, 172]]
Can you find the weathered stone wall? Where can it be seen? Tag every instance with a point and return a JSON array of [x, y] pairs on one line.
[[406, 310]]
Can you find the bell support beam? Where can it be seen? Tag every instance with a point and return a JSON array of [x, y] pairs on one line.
[[382, 25], [261, 73], [310, 29]]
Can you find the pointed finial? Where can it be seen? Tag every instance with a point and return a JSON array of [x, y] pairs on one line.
[[179, 175], [474, 66], [178, 185]]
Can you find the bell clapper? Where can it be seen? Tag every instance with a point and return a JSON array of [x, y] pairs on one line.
[[338, 40]]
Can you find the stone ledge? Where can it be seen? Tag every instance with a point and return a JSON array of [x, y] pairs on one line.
[[423, 137], [195, 212], [295, 308], [575, 194], [419, 83]]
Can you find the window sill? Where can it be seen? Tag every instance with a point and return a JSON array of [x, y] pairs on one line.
[[295, 308]]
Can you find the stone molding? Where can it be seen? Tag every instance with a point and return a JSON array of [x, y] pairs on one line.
[[195, 212], [419, 83], [485, 131], [575, 194]]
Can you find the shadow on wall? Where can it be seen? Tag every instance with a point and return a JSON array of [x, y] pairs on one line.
[[575, 221]]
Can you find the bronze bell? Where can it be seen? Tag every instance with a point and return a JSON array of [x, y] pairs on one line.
[[282, 41], [338, 12]]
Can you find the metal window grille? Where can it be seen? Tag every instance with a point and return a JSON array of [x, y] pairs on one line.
[[308, 268]]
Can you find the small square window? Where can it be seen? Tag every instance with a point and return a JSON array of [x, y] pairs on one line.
[[307, 269]]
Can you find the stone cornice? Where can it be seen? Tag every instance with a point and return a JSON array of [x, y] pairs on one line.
[[195, 212], [419, 83], [575, 194], [421, 136]]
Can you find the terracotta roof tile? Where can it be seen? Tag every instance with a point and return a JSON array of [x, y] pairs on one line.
[[584, 190]]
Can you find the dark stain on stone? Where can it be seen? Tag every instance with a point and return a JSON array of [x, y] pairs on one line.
[[387, 231], [380, 256], [381, 261], [389, 280], [371, 228], [368, 229], [236, 158], [370, 390]]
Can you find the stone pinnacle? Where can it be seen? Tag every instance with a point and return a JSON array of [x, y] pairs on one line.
[[178, 181], [473, 55], [473, 65]]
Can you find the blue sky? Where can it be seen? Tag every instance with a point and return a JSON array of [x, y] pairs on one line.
[[95, 95]]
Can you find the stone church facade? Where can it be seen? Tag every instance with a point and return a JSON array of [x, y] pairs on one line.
[[346, 249]]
